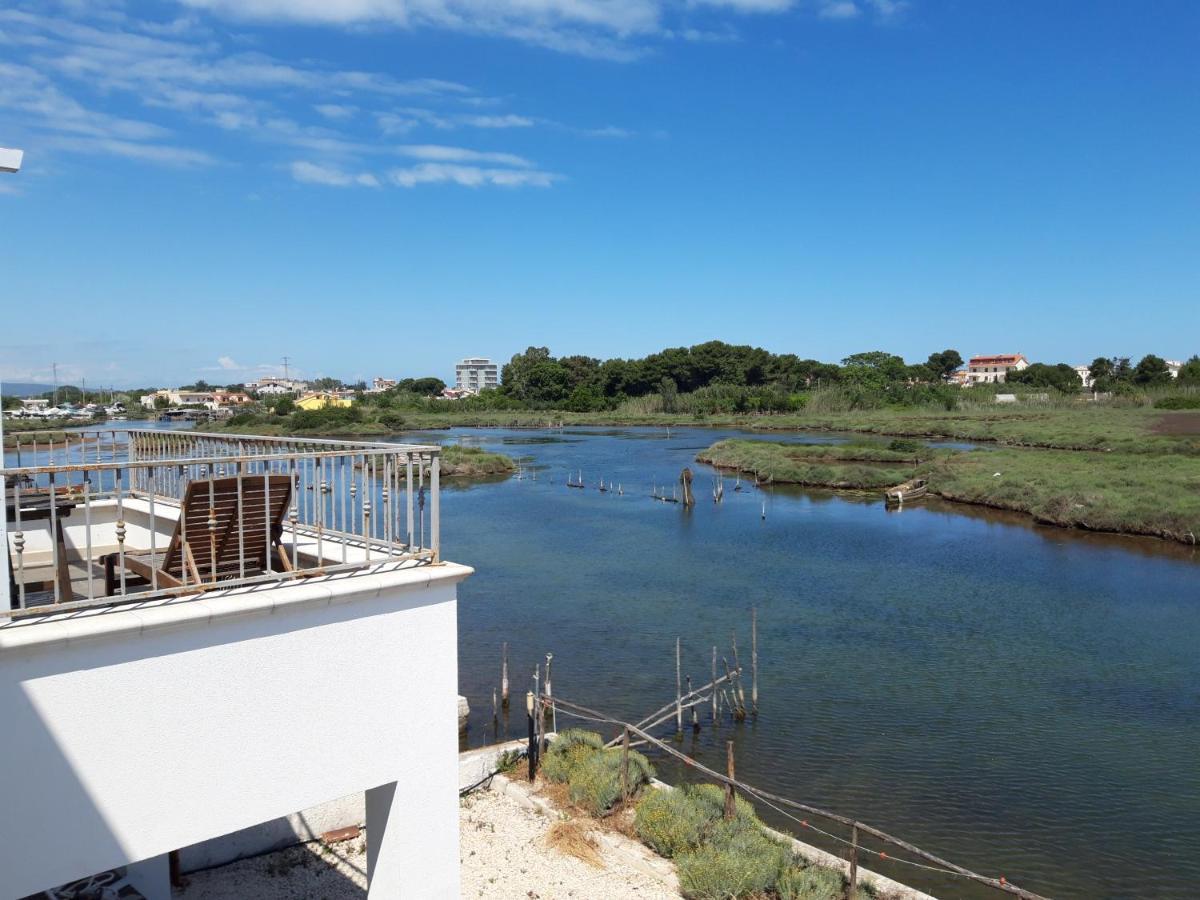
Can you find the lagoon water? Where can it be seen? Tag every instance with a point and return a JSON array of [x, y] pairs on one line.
[[1023, 701]]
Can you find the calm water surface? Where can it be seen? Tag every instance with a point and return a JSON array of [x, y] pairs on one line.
[[1023, 701]]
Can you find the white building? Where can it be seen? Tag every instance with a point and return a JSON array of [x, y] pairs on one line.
[[379, 385], [476, 374], [142, 719], [1085, 375], [1173, 366], [993, 369], [276, 386]]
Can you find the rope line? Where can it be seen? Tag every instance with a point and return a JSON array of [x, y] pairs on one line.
[[943, 867]]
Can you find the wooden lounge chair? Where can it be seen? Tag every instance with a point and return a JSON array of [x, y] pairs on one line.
[[211, 554]]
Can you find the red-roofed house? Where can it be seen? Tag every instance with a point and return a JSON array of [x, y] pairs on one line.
[[992, 369]]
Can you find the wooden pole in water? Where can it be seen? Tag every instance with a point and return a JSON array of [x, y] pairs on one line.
[[730, 804], [754, 659], [737, 685], [504, 675], [695, 715], [714, 681], [678, 691]]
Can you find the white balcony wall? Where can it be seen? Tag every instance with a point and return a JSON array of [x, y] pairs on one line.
[[133, 732]]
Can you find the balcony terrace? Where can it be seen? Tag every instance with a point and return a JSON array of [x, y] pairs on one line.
[[98, 518], [205, 633]]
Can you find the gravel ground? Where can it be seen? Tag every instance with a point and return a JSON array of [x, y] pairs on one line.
[[503, 850]]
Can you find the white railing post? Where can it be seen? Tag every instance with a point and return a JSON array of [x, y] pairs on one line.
[[435, 505]]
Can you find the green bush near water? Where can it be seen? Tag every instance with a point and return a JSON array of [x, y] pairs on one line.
[[810, 883], [592, 774], [568, 752], [596, 784]]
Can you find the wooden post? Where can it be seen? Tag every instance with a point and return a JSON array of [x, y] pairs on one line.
[[692, 704], [532, 751], [754, 659], [853, 862], [494, 716], [714, 681], [549, 692], [504, 675], [730, 805], [738, 691], [678, 692], [625, 763]]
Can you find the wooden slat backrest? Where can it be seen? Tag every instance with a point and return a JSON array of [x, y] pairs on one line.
[[217, 498]]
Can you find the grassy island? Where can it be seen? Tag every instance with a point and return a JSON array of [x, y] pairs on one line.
[[1121, 492]]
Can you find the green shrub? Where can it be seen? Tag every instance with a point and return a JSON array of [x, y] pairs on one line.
[[747, 863], [711, 800], [595, 784], [671, 822], [810, 883], [1185, 401], [903, 445], [568, 751]]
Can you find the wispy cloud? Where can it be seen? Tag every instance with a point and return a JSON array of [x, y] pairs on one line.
[[470, 176], [839, 9], [441, 153], [331, 176]]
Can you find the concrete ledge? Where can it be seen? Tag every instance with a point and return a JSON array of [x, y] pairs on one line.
[[60, 629]]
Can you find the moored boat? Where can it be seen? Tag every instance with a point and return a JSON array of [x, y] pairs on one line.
[[906, 492]]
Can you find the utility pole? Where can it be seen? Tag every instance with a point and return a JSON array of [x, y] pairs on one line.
[[54, 366], [286, 377]]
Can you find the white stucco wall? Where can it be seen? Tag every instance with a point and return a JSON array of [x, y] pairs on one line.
[[136, 731]]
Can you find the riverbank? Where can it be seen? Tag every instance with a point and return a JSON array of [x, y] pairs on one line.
[[1123, 493], [1076, 427]]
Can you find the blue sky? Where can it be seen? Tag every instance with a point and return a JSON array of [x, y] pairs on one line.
[[384, 186]]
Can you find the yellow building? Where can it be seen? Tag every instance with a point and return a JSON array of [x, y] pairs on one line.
[[322, 400]]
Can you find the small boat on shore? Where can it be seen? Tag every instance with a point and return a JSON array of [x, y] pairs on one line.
[[906, 492]]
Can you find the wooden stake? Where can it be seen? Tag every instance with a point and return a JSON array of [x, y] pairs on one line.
[[504, 675], [853, 862], [730, 805], [754, 659], [714, 681], [678, 691], [695, 715], [532, 750], [625, 764], [494, 716]]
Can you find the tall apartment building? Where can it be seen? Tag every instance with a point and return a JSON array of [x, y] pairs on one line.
[[475, 374]]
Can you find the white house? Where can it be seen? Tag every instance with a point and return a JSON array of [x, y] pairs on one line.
[[276, 386], [1173, 366], [1085, 375], [993, 369], [139, 720]]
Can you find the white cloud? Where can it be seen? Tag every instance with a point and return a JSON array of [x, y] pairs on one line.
[[470, 176], [440, 153], [336, 111], [889, 9], [839, 9], [504, 121], [608, 131], [228, 364], [331, 176]]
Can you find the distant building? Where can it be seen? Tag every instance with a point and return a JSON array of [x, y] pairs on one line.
[[277, 386], [1085, 375], [379, 385], [324, 400], [994, 369], [476, 374], [1173, 366], [454, 393], [228, 400]]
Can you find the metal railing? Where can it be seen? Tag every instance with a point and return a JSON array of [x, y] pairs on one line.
[[90, 514]]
